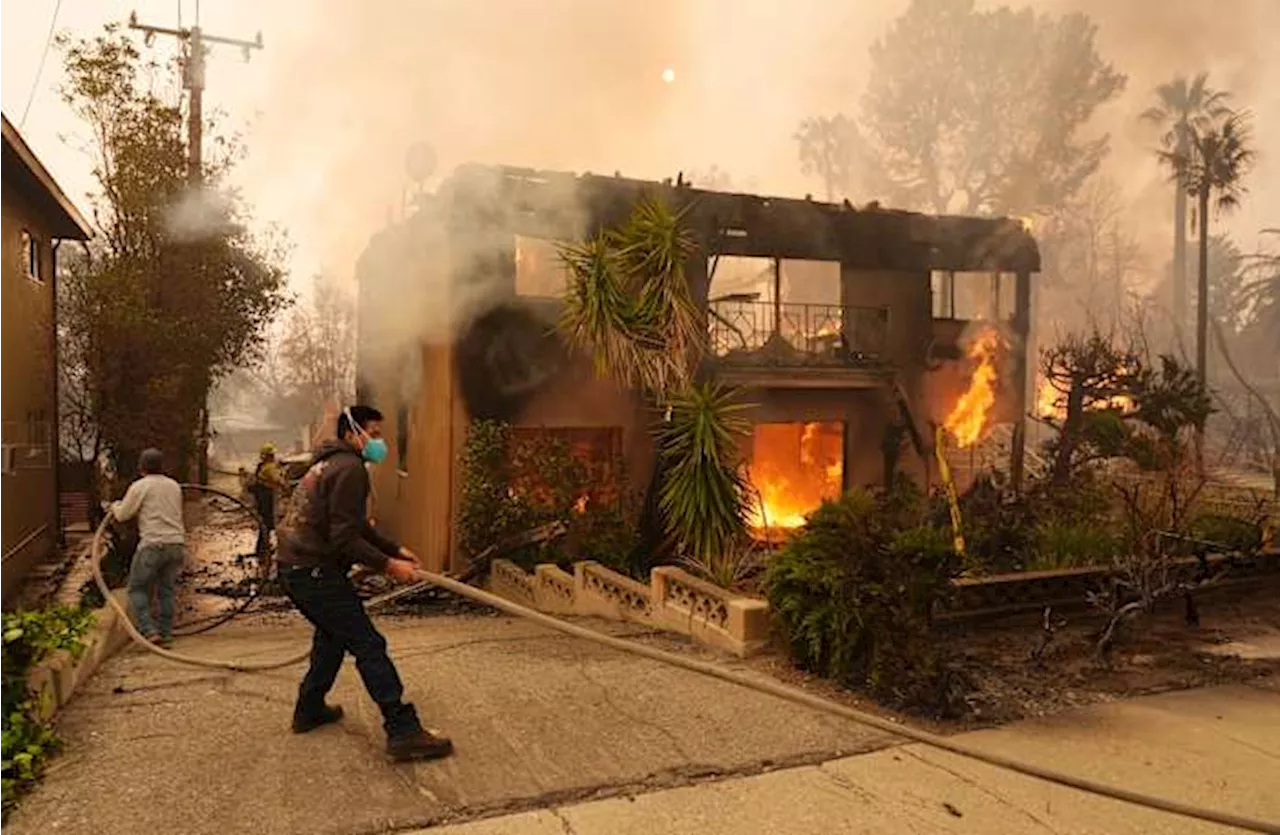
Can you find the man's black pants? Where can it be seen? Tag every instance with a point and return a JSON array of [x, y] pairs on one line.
[[326, 597]]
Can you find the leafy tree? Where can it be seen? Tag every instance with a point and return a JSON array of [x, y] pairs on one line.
[[175, 292], [982, 111], [827, 151], [1218, 158], [1182, 107]]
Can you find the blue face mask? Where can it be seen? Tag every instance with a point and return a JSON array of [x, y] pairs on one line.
[[375, 450]]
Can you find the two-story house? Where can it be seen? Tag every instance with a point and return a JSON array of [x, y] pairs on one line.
[[37, 217], [842, 325]]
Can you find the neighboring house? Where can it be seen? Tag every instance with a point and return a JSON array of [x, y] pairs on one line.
[[844, 325], [37, 217]]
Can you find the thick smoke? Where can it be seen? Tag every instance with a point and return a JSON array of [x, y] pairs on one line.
[[578, 86], [199, 215]]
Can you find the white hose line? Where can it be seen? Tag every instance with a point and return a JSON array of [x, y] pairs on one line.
[[770, 687]]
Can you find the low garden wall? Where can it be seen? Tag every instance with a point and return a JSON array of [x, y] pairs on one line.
[[53, 680], [673, 600], [1005, 594]]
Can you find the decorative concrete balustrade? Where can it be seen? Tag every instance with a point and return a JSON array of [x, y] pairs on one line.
[[673, 600]]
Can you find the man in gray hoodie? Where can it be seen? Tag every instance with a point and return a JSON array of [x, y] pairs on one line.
[[324, 532]]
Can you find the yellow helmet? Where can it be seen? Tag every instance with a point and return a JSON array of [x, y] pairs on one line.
[[267, 449]]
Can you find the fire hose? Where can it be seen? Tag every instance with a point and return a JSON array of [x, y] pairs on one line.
[[773, 688]]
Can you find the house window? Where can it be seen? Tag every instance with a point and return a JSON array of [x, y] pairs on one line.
[[31, 263], [540, 272]]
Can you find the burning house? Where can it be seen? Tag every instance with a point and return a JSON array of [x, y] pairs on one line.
[[853, 332]]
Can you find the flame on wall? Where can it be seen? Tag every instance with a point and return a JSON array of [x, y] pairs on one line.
[[968, 418]]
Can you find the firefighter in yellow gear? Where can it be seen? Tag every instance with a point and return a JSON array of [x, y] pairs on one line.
[[267, 481]]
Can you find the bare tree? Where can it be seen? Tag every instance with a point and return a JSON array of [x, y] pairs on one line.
[[318, 346]]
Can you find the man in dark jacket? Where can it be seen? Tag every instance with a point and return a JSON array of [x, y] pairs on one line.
[[324, 532]]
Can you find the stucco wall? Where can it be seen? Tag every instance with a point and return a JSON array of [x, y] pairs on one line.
[[30, 494]]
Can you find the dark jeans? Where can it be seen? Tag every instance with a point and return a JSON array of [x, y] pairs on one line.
[[328, 599], [266, 507]]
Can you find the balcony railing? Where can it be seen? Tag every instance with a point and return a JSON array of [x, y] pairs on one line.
[[788, 334]]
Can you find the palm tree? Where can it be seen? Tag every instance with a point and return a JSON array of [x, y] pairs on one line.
[[1219, 155], [1183, 107]]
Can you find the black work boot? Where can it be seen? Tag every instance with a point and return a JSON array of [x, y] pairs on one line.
[[303, 722], [418, 745]]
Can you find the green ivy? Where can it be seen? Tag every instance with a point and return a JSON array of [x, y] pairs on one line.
[[513, 484], [29, 638]]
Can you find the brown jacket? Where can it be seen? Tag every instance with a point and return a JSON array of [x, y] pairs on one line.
[[326, 523]]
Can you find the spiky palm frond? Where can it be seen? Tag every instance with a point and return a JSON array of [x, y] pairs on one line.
[[1219, 156], [598, 315], [652, 248], [1183, 104], [629, 303], [701, 498]]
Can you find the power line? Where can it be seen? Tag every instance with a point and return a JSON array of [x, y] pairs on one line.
[[48, 41]]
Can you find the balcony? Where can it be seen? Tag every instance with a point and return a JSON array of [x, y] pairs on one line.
[[750, 334]]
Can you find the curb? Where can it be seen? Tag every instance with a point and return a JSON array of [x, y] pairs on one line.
[[54, 680]]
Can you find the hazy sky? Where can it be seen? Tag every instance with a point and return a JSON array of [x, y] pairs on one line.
[[342, 89]]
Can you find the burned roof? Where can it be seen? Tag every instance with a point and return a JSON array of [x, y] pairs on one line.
[[557, 205]]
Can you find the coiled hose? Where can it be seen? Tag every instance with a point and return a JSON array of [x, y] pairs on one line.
[[773, 688]]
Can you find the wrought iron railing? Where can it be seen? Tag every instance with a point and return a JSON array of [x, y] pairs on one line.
[[749, 332]]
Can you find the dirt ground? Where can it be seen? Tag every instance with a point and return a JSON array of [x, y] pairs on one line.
[[1157, 654]]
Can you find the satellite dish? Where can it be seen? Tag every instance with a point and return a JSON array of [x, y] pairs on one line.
[[420, 162]]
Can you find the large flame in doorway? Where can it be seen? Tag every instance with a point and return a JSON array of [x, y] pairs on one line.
[[794, 468], [968, 418]]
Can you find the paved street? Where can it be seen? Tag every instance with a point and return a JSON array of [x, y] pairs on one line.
[[537, 718], [1218, 747], [557, 735]]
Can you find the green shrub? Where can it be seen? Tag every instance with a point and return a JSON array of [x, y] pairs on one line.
[[853, 592], [1072, 544], [30, 637]]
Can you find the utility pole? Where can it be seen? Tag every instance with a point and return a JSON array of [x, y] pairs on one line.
[[193, 66]]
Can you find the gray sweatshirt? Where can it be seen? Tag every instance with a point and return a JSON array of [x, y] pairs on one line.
[[157, 502]]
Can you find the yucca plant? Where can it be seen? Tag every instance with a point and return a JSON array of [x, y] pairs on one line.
[[629, 305], [701, 496], [630, 308]]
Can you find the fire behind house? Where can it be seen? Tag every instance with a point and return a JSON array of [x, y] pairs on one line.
[[854, 332]]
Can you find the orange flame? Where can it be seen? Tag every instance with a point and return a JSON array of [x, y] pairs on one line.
[[969, 416], [1050, 403], [794, 468]]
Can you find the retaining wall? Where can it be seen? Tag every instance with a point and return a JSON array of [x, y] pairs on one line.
[[56, 678]]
